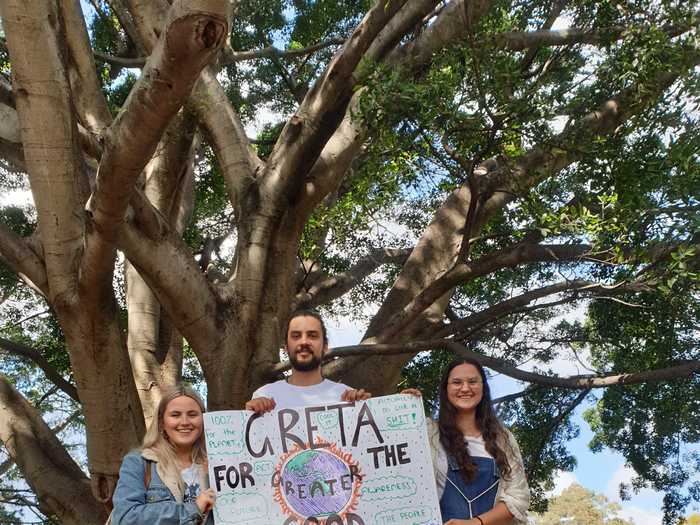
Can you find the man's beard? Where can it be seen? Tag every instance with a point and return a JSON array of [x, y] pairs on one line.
[[306, 366]]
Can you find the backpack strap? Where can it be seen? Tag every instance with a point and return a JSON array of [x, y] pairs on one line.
[[146, 473]]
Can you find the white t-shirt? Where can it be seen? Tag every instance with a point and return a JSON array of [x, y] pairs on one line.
[[192, 476], [477, 449], [292, 396]]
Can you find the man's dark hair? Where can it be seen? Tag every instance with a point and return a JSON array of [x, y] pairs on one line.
[[307, 313]]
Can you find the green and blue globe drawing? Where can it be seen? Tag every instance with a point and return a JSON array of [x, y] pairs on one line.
[[316, 482]]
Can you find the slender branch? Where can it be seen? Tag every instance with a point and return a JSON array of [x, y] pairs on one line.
[[230, 56], [556, 421], [682, 370], [463, 272], [30, 317], [35, 356], [132, 63], [516, 304], [333, 287], [520, 40], [670, 210], [545, 432], [516, 395], [529, 57]]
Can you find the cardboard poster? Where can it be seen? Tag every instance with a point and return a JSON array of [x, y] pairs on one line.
[[366, 463]]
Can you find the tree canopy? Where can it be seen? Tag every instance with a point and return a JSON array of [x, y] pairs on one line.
[[577, 505], [518, 182]]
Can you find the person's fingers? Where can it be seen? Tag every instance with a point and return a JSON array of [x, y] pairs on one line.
[[260, 405], [412, 392]]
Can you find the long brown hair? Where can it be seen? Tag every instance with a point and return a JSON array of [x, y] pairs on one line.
[[155, 440], [492, 430]]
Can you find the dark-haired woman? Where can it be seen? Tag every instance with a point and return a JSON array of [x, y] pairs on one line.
[[478, 468]]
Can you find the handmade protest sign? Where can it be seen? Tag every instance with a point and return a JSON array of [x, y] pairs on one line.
[[365, 463]]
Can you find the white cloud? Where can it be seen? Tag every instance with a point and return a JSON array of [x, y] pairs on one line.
[[562, 481], [263, 117], [631, 511], [624, 474], [640, 516], [344, 331]]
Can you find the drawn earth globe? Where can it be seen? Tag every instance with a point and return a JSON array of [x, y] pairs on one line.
[[317, 487]]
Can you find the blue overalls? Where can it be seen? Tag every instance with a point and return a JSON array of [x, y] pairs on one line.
[[462, 500]]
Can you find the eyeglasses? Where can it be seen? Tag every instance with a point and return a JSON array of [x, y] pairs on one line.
[[472, 382]]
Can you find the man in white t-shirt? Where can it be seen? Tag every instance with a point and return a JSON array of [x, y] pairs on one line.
[[306, 343]]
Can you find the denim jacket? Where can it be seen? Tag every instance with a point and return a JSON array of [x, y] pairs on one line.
[[159, 504]]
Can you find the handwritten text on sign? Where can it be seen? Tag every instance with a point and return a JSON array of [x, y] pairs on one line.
[[341, 464]]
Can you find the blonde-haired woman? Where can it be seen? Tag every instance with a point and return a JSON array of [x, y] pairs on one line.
[[165, 482]]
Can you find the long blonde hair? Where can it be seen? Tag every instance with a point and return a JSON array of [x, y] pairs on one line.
[[156, 442]]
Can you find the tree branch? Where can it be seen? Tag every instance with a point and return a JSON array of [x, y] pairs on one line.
[[557, 7], [307, 132], [682, 370], [516, 304], [508, 179], [133, 25], [44, 461], [9, 462], [463, 272], [333, 287], [238, 162], [131, 63], [345, 143], [20, 258], [230, 56], [545, 433], [192, 36], [89, 99], [451, 25], [520, 40], [516, 395], [35, 356], [182, 289]]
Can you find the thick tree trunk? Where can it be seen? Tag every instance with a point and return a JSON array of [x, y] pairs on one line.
[[156, 356], [102, 372]]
